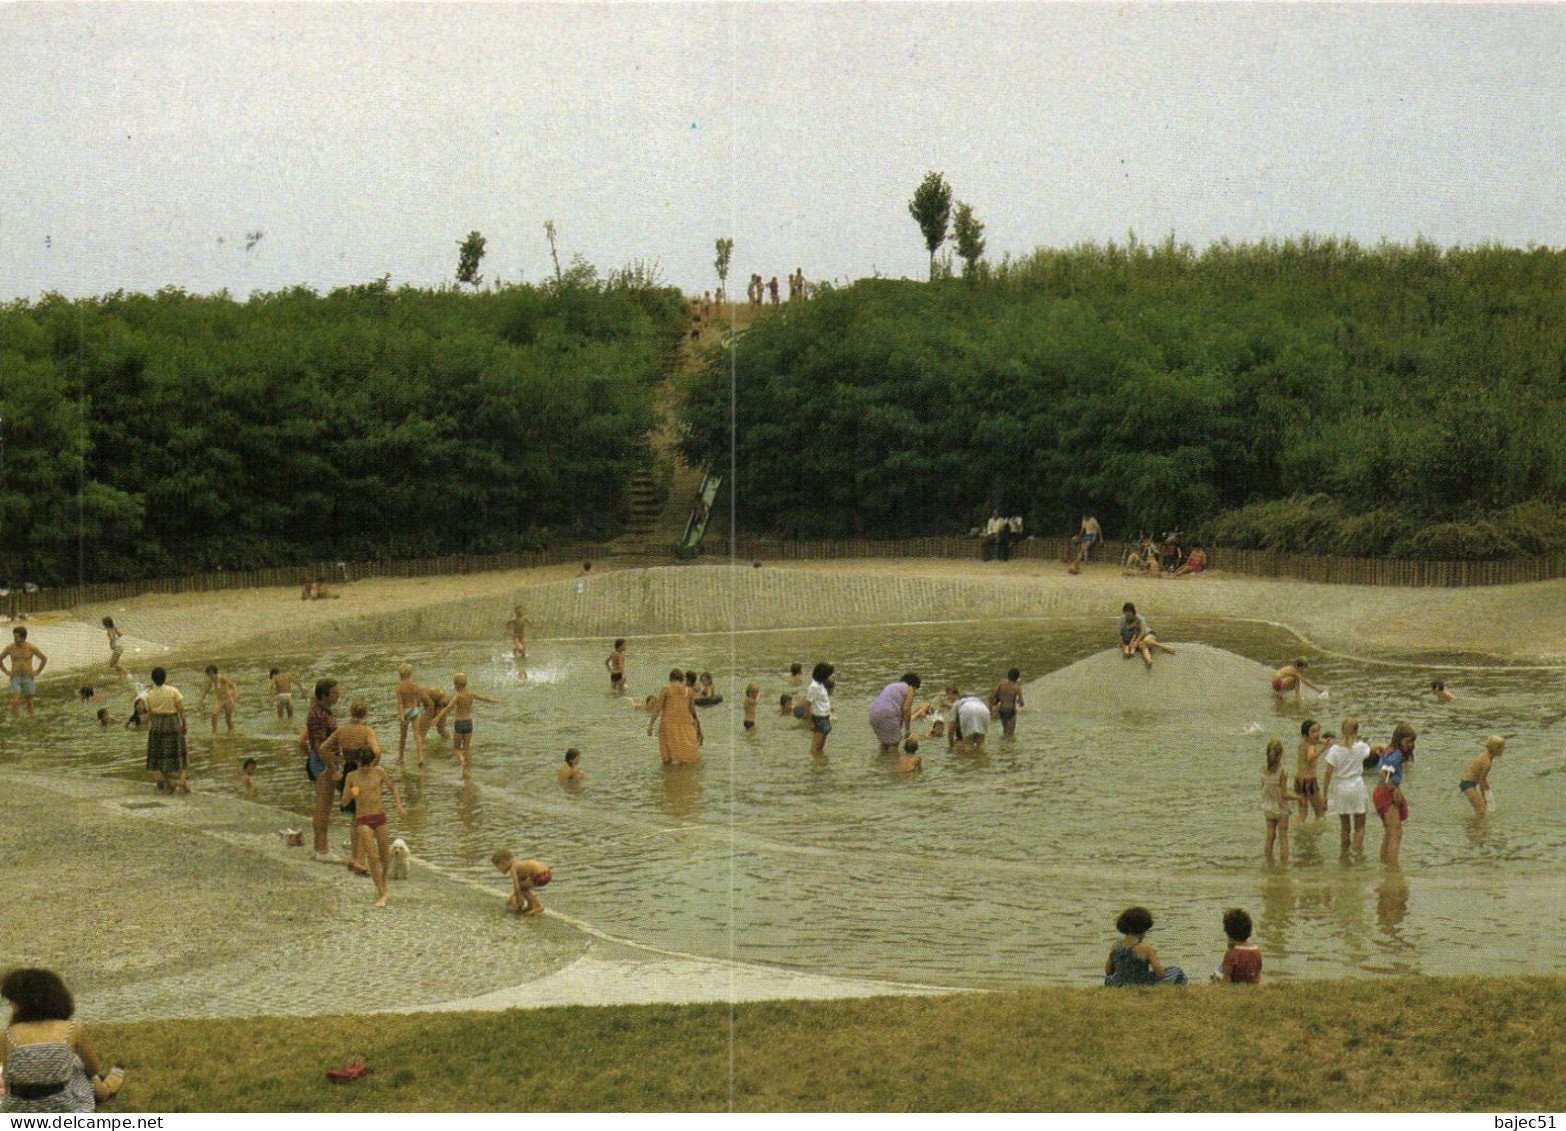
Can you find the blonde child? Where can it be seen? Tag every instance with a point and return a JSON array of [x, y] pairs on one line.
[[461, 708], [372, 840], [526, 876], [1275, 798], [752, 700], [412, 705], [355, 741], [571, 773], [1476, 781]]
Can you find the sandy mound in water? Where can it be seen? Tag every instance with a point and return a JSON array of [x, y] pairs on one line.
[[1200, 678]]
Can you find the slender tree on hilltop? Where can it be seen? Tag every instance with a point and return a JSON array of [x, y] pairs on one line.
[[969, 231], [725, 250], [549, 231], [931, 208], [469, 252]]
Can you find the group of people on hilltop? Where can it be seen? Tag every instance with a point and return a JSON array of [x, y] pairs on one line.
[[759, 291]]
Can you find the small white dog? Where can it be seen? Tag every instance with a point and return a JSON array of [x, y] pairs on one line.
[[399, 860]]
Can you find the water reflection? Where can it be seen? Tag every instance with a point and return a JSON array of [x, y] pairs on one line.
[[681, 791]]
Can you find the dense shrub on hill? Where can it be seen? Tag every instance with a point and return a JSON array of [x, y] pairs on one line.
[[169, 433], [1294, 395]]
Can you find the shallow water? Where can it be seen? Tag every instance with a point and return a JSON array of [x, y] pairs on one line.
[[1123, 786]]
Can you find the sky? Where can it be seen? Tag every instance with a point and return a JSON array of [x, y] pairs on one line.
[[257, 146]]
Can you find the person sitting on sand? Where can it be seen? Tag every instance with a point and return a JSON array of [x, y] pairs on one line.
[[526, 876], [1136, 638], [571, 773], [1195, 562], [1289, 678], [1133, 961], [1438, 688]]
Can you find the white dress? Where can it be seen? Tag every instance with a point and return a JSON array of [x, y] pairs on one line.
[[1347, 793]]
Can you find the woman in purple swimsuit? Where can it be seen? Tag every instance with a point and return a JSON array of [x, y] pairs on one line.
[[891, 714]]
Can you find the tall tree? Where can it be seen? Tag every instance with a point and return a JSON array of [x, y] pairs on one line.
[[725, 251], [969, 230], [469, 252], [931, 208], [549, 231]]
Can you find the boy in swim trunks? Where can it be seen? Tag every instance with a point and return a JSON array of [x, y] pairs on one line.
[[225, 694], [1005, 700], [526, 875], [412, 706], [1289, 678], [371, 838], [24, 683], [461, 706], [281, 685], [615, 662], [1476, 780]]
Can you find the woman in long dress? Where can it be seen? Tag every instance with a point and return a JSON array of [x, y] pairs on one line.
[[891, 714], [679, 730]]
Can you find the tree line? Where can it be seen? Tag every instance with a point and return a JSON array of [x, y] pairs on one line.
[[148, 435], [1308, 395]]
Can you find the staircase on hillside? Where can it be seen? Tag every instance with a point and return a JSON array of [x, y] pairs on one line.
[[645, 497]]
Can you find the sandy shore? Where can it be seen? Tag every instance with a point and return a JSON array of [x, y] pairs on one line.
[[166, 941], [1517, 623]]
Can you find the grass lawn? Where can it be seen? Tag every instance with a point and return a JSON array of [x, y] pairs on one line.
[[1400, 1045]]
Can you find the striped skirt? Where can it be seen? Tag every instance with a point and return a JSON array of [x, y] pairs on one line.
[[165, 744]]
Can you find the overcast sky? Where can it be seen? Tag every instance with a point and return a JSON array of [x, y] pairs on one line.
[[141, 144]]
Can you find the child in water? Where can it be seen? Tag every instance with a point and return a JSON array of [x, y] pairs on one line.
[[1476, 781], [1438, 688], [752, 700], [247, 777], [526, 875], [571, 773], [1275, 798], [1133, 961], [107, 720], [1242, 962], [909, 761], [461, 706]]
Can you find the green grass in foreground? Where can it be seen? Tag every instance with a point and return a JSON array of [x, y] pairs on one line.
[[1410, 1044]]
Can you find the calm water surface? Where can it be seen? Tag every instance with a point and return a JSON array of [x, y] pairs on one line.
[[1122, 787]]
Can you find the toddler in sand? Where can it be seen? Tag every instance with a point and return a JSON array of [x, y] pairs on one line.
[[526, 875]]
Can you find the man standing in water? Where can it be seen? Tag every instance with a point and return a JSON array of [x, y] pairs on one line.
[[24, 684], [323, 771]]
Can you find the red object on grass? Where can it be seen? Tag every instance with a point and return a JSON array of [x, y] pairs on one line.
[[351, 1072]]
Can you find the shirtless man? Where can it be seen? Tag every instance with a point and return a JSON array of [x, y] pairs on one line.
[[413, 706], [461, 707], [615, 662], [1005, 700], [24, 682], [281, 685], [518, 626], [1089, 534], [225, 694], [1289, 677]]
